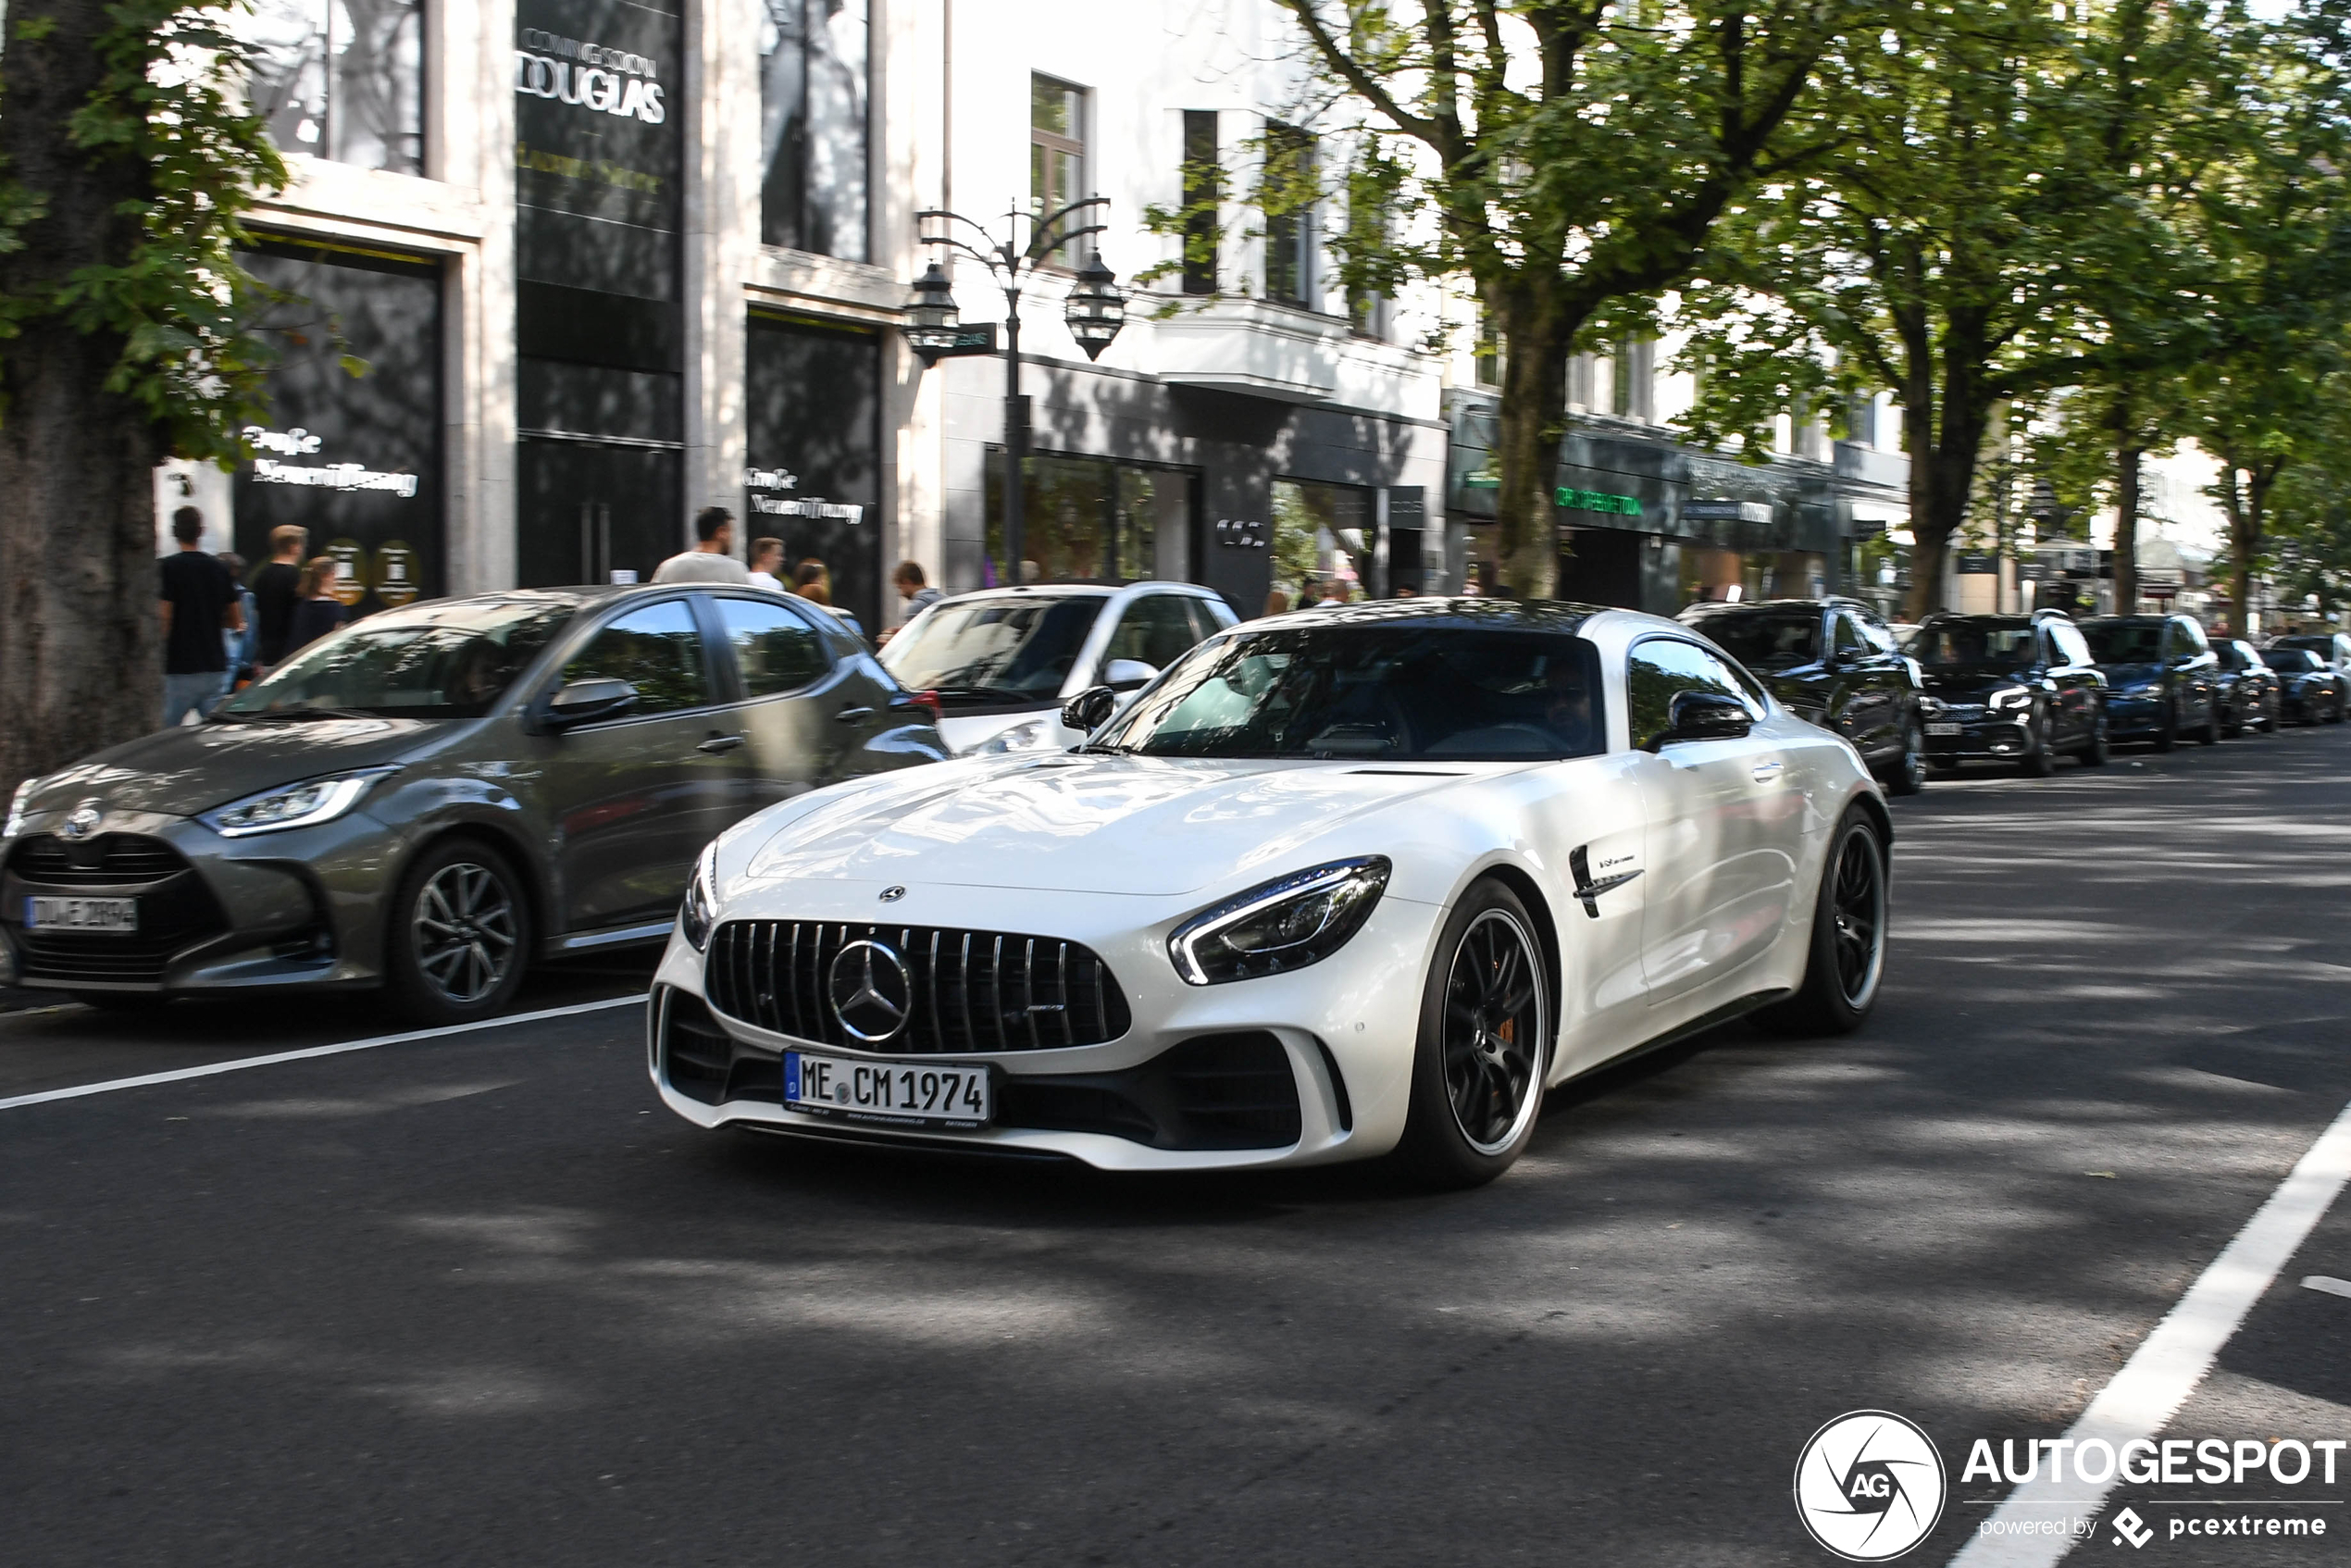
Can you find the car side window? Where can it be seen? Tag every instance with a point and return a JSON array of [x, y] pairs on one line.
[[1847, 639], [1877, 634], [2072, 646], [1662, 668], [2190, 637], [776, 650], [657, 649], [1157, 630]]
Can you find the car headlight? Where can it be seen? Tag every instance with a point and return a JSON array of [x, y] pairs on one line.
[[1931, 706], [293, 805], [700, 908], [2013, 697], [1032, 735], [15, 809], [1280, 925]]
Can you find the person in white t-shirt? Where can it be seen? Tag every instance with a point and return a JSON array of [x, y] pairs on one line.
[[766, 554], [712, 560]]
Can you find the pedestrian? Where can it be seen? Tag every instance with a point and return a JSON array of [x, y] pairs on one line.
[[317, 611], [275, 588], [711, 558], [237, 646], [1276, 602], [766, 554], [198, 602], [814, 583], [917, 593]]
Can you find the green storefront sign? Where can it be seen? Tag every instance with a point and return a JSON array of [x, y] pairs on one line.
[[1598, 500]]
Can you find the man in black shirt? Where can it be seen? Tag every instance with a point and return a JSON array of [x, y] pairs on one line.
[[275, 588], [199, 602]]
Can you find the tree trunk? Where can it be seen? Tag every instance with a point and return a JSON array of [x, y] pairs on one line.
[[1941, 474], [1536, 339], [2245, 540], [2127, 454], [80, 658]]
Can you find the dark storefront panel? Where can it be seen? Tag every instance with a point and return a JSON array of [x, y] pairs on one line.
[[594, 511], [813, 395], [1406, 530], [1090, 519], [356, 460], [1602, 567]]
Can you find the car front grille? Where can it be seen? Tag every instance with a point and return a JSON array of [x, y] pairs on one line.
[[970, 990], [176, 909]]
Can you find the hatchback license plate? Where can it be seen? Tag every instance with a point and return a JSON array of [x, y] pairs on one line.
[[1943, 729], [925, 1094], [81, 914]]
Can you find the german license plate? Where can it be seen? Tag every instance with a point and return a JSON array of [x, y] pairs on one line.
[[81, 914], [1943, 729], [909, 1094]]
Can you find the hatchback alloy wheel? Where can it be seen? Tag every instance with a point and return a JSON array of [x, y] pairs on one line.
[[463, 932]]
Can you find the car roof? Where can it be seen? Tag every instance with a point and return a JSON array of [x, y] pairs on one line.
[[1454, 613], [1077, 591], [1731, 607], [2003, 618]]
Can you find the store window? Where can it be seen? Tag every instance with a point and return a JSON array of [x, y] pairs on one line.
[[813, 392], [343, 79], [1324, 540], [815, 126], [1203, 191], [1745, 576], [1090, 520], [1290, 215], [1056, 149]]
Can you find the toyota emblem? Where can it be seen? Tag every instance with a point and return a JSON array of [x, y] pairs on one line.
[[871, 990], [83, 822]]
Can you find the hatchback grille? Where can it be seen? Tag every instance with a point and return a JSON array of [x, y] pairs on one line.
[[117, 860], [971, 990]]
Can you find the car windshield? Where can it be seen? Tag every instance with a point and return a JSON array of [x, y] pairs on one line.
[[2292, 661], [1386, 691], [1974, 645], [2125, 642], [995, 648], [1767, 638], [2322, 646], [448, 660]]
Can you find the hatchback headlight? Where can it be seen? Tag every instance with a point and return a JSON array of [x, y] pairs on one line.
[[1033, 735], [1283, 924], [293, 805], [695, 916], [15, 809]]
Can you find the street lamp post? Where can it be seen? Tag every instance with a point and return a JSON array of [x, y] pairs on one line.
[[1094, 312]]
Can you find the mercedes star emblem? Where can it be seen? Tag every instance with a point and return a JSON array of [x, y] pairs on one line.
[[83, 822], [891, 895], [871, 990]]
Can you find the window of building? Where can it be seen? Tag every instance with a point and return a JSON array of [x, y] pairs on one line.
[[1204, 194], [1860, 418], [1325, 538], [815, 126], [1290, 215], [343, 79], [1091, 519], [1056, 149], [1489, 351], [1367, 309], [1631, 384]]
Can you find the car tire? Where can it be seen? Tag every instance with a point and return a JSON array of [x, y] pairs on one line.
[[1846, 963], [1477, 1078], [2270, 716], [2098, 750], [457, 936], [2038, 761], [1908, 776], [2166, 732], [2231, 725], [2209, 734], [2334, 709]]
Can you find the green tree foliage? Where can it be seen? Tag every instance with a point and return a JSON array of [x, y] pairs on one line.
[[1564, 157], [127, 162]]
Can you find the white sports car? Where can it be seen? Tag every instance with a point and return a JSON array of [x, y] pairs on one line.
[[1337, 884]]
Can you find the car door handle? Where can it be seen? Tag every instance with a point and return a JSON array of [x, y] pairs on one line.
[[718, 743], [850, 715], [1765, 772]]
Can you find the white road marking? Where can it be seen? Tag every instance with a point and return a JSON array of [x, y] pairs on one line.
[[242, 1062], [2327, 1282], [2168, 1365]]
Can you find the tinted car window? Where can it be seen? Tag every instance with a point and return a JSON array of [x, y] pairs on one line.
[[1979, 642], [1767, 638], [451, 659], [1157, 630], [1374, 691], [1849, 638], [2189, 636], [1017, 649], [1660, 670], [2294, 661], [657, 649], [2125, 642], [775, 650]]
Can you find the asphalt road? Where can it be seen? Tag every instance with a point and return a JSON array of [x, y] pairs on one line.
[[478, 1300]]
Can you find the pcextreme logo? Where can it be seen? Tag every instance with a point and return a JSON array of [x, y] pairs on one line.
[[1870, 1486]]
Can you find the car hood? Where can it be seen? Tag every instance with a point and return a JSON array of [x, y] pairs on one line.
[[1145, 825], [2134, 673], [181, 772], [1968, 685]]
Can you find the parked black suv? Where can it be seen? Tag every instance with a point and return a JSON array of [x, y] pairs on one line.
[[2162, 679], [2250, 697], [2309, 692], [2016, 688], [1834, 663]]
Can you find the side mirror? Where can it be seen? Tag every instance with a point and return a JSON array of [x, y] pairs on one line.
[[1704, 716], [1091, 708], [1125, 675], [583, 702]]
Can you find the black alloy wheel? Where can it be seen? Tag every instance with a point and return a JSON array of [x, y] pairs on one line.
[[2166, 732], [1908, 776], [1846, 964], [458, 936], [2038, 761], [1484, 1043], [2096, 749]]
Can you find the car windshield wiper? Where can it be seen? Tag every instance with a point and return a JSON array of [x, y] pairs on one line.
[[982, 694], [292, 716]]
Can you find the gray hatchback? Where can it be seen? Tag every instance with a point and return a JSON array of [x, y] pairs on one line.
[[432, 796]]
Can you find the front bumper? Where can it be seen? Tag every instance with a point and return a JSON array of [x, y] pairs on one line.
[[296, 909], [1194, 1083], [2134, 715], [1981, 733]]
